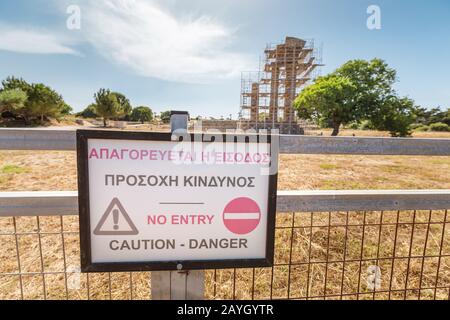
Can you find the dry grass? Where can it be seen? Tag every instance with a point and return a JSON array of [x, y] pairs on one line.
[[334, 172], [321, 239], [24, 171], [37, 171]]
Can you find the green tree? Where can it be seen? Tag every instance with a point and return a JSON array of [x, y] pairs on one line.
[[142, 114], [165, 116], [106, 105], [66, 109], [373, 81], [11, 83], [357, 91], [375, 98], [111, 105], [396, 116], [44, 102], [435, 115], [446, 118], [125, 106], [328, 99], [89, 111], [12, 100]]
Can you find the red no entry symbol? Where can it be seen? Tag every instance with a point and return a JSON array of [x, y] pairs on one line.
[[241, 216]]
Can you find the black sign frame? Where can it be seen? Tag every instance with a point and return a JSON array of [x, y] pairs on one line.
[[84, 210]]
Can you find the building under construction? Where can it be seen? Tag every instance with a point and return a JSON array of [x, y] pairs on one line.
[[267, 95]]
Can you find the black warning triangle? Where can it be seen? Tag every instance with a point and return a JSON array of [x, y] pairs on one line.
[[115, 203]]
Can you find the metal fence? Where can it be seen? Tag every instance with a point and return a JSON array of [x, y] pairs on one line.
[[329, 244], [333, 255], [40, 260], [349, 255]]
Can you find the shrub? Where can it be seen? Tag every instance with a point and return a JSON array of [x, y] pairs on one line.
[[422, 128], [89, 112], [366, 125], [142, 114], [66, 109], [165, 116], [415, 126], [439, 126], [353, 125]]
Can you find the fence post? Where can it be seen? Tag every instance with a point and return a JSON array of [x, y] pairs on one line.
[[178, 285]]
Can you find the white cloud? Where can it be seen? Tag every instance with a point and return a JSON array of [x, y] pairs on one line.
[[33, 41], [153, 42], [143, 36]]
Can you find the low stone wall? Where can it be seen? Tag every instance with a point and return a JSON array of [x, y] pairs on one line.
[[284, 128], [223, 125]]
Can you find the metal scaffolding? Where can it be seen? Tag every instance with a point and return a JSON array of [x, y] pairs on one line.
[[267, 95]]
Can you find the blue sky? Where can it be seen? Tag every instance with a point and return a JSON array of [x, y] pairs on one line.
[[188, 54]]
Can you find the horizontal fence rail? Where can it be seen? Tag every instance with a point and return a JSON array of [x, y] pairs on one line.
[[364, 146], [45, 139], [61, 203], [37, 139]]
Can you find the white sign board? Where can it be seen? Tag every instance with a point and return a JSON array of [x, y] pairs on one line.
[[149, 203]]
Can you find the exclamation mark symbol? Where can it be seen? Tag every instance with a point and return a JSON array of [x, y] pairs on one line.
[[116, 219]]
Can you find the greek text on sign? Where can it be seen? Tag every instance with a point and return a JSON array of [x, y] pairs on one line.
[[167, 204]]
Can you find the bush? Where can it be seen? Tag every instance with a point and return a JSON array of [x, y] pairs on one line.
[[89, 112], [415, 126], [66, 110], [142, 114], [352, 125], [422, 128], [165, 116], [366, 125], [439, 126]]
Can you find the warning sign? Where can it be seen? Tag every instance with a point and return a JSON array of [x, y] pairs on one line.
[[150, 203], [115, 221]]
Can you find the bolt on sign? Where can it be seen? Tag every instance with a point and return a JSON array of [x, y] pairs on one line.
[[148, 202]]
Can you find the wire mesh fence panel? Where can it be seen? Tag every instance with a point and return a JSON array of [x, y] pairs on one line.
[[348, 255], [330, 255], [40, 259]]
